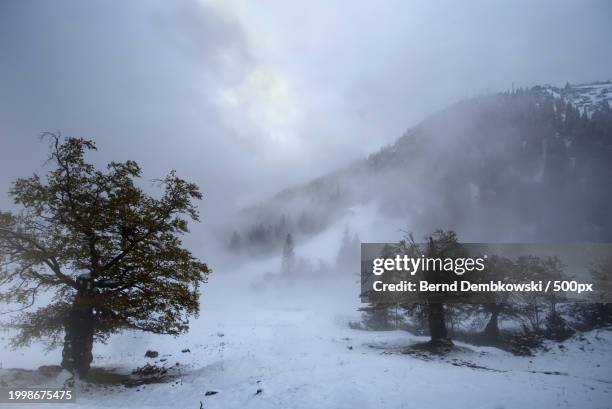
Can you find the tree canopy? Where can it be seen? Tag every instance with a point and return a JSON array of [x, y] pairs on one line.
[[94, 238]]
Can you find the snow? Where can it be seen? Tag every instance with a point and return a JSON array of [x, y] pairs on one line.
[[291, 341], [584, 96]]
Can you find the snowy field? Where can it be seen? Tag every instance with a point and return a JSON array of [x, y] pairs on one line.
[[289, 346]]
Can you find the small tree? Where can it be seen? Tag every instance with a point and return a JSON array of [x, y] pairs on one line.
[[108, 254], [347, 259], [288, 260], [377, 316], [532, 304], [345, 249], [597, 312], [235, 244]]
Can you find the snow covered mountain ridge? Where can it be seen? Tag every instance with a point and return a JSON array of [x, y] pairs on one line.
[[585, 97]]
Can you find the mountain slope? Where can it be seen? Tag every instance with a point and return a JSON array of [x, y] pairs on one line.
[[527, 165], [585, 97]]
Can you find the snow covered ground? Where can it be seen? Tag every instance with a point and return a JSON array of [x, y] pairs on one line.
[[290, 347]]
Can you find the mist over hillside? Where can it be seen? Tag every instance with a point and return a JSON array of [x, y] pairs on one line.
[[523, 165]]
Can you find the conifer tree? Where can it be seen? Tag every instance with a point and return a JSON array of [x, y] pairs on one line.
[[288, 258], [344, 250], [378, 316], [235, 244]]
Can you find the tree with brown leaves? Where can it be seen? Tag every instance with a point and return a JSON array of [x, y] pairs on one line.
[[89, 253]]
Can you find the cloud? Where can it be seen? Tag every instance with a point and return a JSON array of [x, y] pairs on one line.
[[247, 98]]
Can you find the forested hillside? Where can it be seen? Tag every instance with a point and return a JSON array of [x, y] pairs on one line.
[[523, 165]]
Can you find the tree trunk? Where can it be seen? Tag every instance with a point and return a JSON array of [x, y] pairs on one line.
[[437, 324], [436, 315], [491, 331], [78, 342]]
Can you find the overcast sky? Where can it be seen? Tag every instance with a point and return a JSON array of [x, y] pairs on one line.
[[248, 97]]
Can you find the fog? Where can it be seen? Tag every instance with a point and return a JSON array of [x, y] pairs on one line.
[[248, 98], [329, 121]]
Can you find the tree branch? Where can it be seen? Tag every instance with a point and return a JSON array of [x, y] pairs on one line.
[[47, 258]]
